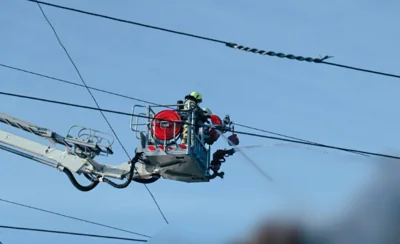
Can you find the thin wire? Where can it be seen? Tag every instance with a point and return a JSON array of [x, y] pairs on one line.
[[361, 69], [318, 145], [70, 233], [83, 81], [270, 132], [227, 44], [70, 217], [130, 22], [286, 136], [237, 132], [94, 99], [74, 84], [71, 104]]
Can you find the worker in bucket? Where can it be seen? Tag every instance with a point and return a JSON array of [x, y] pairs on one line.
[[204, 119], [191, 102]]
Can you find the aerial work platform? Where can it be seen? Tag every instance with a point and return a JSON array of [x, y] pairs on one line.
[[159, 152]]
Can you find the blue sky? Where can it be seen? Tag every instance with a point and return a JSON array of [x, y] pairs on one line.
[[311, 101]]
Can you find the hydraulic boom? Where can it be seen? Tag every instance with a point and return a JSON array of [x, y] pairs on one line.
[[78, 154]]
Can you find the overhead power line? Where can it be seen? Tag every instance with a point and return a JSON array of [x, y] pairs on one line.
[[80, 85], [71, 104], [318, 145], [272, 133], [105, 118], [70, 217], [74, 83], [282, 135], [228, 44], [71, 233], [237, 132]]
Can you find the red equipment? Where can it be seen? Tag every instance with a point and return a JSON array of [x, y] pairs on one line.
[[233, 139], [216, 121], [166, 125], [212, 133]]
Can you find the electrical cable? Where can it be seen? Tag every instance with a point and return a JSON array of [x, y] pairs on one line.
[[270, 132], [318, 145], [282, 135], [237, 132], [70, 233], [76, 183], [227, 44], [75, 84], [70, 217], [71, 104], [128, 181]]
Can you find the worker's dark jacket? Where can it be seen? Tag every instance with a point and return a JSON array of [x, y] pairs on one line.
[[191, 103]]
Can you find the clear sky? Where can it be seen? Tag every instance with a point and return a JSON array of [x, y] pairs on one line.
[[311, 101]]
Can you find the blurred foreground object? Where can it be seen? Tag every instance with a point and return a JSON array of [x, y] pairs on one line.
[[372, 217], [275, 233]]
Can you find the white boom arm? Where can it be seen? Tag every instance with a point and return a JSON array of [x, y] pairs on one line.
[[78, 155]]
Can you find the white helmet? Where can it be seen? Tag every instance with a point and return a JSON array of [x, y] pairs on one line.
[[207, 112]]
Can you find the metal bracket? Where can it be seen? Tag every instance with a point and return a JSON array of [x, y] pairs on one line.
[[89, 142]]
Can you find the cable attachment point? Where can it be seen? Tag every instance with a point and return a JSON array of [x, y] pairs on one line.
[[275, 54], [227, 120], [323, 58]]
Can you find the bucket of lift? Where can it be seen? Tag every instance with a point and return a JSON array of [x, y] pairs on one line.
[[162, 151]]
